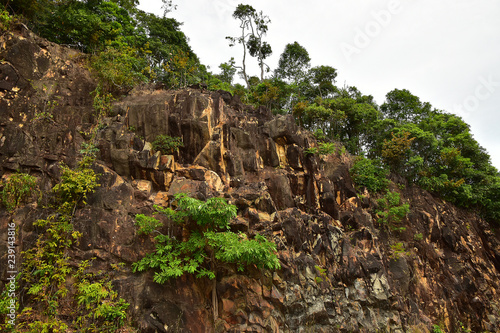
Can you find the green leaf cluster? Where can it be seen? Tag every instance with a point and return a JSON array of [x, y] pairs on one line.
[[370, 174], [89, 150], [146, 224], [209, 244], [5, 19], [437, 329], [391, 211], [322, 274], [50, 277], [18, 188], [398, 250], [75, 184], [166, 144], [102, 310], [324, 148]]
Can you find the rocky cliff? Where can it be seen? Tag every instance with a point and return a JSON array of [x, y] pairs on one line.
[[341, 269]]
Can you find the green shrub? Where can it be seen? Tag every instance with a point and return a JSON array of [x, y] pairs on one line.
[[18, 188], [391, 211], [326, 148], [216, 84], [322, 274], [437, 329], [99, 308], [398, 250], [209, 244], [166, 144], [89, 150], [76, 184], [370, 174], [5, 20], [120, 67], [146, 224], [102, 102], [311, 151], [319, 134]]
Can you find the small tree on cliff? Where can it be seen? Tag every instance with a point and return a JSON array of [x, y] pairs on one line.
[[207, 242]]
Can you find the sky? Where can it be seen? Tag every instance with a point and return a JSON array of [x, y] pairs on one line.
[[446, 52]]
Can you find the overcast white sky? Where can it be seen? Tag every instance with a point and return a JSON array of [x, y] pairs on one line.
[[447, 52]]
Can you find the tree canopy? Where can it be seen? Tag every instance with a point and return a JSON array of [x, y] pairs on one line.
[[294, 63]]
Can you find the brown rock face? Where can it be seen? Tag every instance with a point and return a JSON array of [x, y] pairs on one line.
[[340, 271]]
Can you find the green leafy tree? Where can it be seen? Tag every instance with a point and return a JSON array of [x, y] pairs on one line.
[[272, 93], [120, 67], [391, 211], [163, 40], [410, 159], [361, 114], [86, 25], [228, 70], [403, 106], [294, 63], [6, 20], [128, 45], [396, 150], [325, 115], [370, 174], [322, 80], [179, 70], [207, 243]]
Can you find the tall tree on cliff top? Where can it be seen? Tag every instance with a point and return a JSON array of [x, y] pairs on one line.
[[294, 63], [254, 27]]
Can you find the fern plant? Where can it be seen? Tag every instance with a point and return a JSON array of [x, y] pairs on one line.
[[209, 244]]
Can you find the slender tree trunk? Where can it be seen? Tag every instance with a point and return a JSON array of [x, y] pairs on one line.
[[214, 299], [215, 304], [244, 68], [261, 71], [261, 58]]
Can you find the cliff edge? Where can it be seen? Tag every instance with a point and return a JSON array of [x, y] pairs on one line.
[[342, 270]]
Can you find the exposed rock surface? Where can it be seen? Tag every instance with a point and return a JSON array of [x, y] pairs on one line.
[[339, 272]]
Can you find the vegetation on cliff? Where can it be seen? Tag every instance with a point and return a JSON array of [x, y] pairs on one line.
[[57, 286], [127, 47], [209, 240], [207, 243]]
